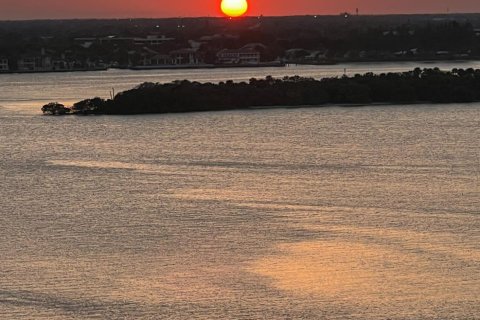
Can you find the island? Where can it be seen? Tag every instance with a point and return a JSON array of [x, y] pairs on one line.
[[416, 86]]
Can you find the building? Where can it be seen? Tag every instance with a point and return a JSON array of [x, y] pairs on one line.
[[61, 64], [4, 65], [35, 63], [186, 56], [238, 56], [157, 60], [30, 63]]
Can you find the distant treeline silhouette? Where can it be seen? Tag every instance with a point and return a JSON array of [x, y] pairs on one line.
[[417, 86]]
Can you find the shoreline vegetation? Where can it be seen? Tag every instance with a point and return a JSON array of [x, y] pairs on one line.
[[413, 87]]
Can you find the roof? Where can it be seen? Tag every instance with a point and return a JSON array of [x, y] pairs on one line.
[[254, 46]]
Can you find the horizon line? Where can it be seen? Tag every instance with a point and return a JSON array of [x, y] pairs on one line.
[[243, 17]]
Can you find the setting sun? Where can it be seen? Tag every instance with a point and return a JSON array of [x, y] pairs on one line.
[[234, 8]]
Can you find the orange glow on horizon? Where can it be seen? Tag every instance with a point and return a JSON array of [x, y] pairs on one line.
[[234, 8]]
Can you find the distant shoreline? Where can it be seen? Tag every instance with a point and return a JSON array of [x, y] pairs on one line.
[[52, 71], [243, 66], [159, 67], [439, 14]]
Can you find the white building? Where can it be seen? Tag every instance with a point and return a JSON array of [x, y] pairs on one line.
[[4, 65], [238, 56]]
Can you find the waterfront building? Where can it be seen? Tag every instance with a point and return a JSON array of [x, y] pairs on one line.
[[186, 56], [4, 65], [238, 56]]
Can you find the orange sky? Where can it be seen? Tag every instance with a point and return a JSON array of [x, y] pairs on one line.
[[28, 9]]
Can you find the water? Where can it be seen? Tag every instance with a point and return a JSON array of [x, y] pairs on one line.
[[328, 213]]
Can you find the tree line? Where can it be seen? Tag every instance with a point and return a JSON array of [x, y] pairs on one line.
[[416, 86]]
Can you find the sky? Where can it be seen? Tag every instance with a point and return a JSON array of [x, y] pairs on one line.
[[57, 9]]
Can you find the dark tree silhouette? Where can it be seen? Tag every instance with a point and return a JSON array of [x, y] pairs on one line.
[[417, 86]]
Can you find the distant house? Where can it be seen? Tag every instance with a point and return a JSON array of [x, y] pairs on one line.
[[186, 56], [255, 46], [238, 56], [48, 60], [62, 64], [35, 63], [30, 63], [157, 60], [4, 65]]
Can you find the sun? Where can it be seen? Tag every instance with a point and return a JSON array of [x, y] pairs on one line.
[[234, 8]]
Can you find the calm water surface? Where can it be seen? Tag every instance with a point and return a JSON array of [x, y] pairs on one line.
[[330, 213]]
